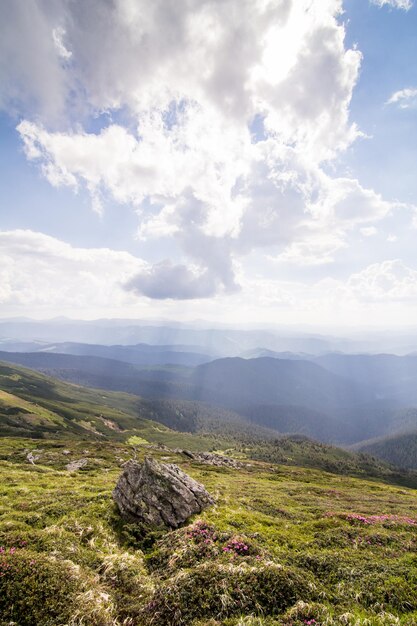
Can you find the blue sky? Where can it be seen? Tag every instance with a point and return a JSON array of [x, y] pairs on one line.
[[167, 161], [387, 39]]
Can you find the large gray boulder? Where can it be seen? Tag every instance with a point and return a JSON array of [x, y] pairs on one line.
[[159, 494]]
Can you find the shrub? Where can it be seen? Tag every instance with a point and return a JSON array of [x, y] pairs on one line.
[[126, 576], [221, 590], [396, 593], [35, 589], [187, 547]]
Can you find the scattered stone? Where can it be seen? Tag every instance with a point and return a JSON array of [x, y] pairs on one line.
[[159, 494], [111, 425], [66, 452], [32, 458], [76, 465], [213, 459]]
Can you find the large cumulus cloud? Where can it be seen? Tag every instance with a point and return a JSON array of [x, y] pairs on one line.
[[226, 113]]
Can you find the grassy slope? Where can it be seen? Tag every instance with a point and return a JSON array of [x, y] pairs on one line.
[[297, 450], [306, 555]]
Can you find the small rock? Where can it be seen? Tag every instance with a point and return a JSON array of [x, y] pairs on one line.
[[159, 494], [32, 458], [66, 452], [76, 465]]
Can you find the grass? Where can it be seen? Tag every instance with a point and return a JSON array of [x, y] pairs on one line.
[[321, 548]]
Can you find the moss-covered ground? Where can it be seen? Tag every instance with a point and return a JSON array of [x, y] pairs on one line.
[[282, 546]]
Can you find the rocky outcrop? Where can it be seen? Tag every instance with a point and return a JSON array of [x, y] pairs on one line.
[[159, 494], [76, 465], [209, 458]]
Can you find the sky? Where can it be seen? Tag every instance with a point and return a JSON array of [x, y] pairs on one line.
[[228, 160]]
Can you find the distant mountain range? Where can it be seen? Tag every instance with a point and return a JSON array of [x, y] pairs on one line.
[[36, 406], [202, 337], [269, 380], [140, 354], [343, 399]]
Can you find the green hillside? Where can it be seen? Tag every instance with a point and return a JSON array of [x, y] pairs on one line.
[[37, 406], [400, 450], [320, 549]]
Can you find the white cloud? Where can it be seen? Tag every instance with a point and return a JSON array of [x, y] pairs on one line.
[[41, 272], [58, 35], [31, 76], [218, 200], [353, 205], [385, 281], [193, 80], [191, 76], [316, 249], [166, 281], [368, 231], [404, 99], [406, 5], [47, 276]]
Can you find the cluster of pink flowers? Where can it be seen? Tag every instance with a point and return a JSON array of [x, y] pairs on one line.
[[202, 533], [6, 564], [374, 519], [205, 535], [237, 547], [310, 621], [11, 550]]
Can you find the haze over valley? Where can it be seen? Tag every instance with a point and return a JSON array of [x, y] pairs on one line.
[[363, 400]]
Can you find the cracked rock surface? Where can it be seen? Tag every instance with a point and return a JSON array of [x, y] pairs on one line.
[[159, 494]]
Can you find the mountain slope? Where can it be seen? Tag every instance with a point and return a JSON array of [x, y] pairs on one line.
[[287, 395], [105, 373], [35, 405], [238, 382], [387, 375], [230, 382], [399, 450]]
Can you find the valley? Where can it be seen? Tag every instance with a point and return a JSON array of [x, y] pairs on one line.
[[314, 511]]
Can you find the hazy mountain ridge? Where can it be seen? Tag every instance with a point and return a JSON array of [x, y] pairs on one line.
[[35, 405], [40, 407], [289, 396], [218, 339], [334, 398], [140, 354], [275, 381]]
